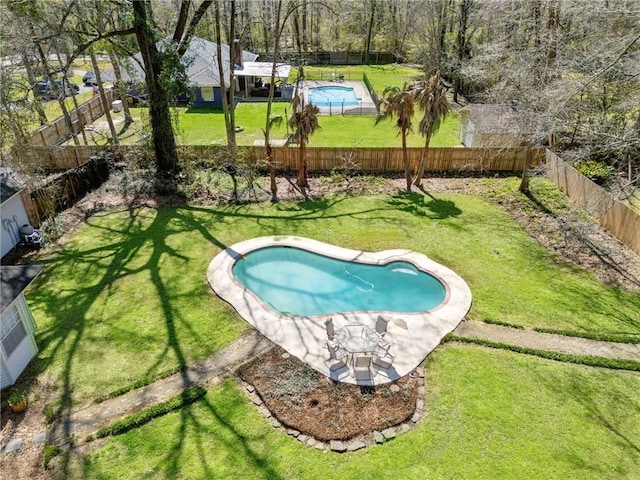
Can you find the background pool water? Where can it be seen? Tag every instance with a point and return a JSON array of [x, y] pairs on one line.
[[334, 95], [296, 282]]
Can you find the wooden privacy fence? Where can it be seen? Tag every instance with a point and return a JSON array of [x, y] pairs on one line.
[[58, 130], [622, 221], [341, 58], [64, 190], [319, 159]]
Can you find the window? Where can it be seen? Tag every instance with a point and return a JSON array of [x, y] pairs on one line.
[[12, 331], [207, 94]]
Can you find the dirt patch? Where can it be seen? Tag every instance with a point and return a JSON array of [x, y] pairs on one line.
[[307, 401], [27, 426]]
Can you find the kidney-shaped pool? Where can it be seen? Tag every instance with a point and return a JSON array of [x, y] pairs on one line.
[[287, 287], [300, 283]]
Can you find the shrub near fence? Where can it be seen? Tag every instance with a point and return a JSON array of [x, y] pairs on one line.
[[320, 159], [64, 190], [615, 216]]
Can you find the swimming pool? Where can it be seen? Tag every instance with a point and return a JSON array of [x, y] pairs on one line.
[[298, 283], [310, 281], [332, 95]]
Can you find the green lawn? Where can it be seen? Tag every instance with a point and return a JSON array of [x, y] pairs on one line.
[[126, 295], [205, 126], [490, 414], [380, 76], [198, 126], [125, 298]]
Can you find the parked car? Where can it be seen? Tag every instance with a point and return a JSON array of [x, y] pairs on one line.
[[136, 95], [44, 91], [69, 88], [89, 78]]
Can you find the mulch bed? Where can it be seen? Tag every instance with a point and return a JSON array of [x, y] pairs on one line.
[[307, 401]]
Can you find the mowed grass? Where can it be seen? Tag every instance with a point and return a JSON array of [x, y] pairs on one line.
[[205, 126], [489, 414], [380, 76], [198, 126], [126, 296]]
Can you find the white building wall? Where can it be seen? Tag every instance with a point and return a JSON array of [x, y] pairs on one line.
[[13, 216], [12, 366]]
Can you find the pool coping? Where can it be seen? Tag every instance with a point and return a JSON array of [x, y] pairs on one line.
[[412, 335]]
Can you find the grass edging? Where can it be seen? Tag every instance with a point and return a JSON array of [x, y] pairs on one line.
[[602, 337], [502, 324], [589, 360], [185, 398], [143, 382]]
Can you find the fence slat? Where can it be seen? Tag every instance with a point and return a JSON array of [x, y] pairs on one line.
[[619, 219]]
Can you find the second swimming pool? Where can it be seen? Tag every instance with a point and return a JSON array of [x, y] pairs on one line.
[[333, 95]]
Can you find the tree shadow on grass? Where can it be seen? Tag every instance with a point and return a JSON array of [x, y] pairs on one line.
[[100, 269], [593, 401], [425, 206], [140, 244], [235, 442]]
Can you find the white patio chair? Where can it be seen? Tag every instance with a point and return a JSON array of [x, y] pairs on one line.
[[331, 333], [362, 367], [382, 359], [337, 359], [381, 325]]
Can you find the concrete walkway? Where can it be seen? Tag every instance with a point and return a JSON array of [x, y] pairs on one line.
[[89, 419], [209, 372], [547, 341]]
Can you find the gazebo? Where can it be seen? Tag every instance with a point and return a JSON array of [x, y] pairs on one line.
[[256, 75]]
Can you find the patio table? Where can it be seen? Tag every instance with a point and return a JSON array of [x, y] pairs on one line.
[[357, 339]]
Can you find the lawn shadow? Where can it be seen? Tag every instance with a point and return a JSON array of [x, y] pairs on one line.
[[575, 389], [415, 204], [238, 444], [74, 312]]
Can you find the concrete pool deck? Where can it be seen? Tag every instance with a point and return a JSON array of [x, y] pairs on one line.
[[366, 107], [412, 335]]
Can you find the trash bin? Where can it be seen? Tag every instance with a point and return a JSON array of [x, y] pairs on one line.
[[117, 106]]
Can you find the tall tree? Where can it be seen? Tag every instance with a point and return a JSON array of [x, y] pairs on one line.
[[431, 98], [398, 103], [163, 138], [304, 122]]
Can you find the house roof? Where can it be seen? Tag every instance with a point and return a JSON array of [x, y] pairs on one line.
[[493, 118], [13, 280], [9, 184], [200, 59], [262, 69]]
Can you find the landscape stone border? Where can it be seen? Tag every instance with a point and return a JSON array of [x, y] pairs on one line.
[[375, 437]]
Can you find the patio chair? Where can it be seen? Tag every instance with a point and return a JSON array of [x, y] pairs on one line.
[[362, 367], [382, 362], [331, 333], [382, 348], [337, 358], [381, 325], [382, 359], [335, 351]]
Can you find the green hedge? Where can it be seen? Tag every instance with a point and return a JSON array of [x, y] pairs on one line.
[[187, 397], [592, 361], [602, 337]]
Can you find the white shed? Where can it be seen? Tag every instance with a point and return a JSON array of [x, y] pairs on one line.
[[15, 210], [491, 125], [17, 328]]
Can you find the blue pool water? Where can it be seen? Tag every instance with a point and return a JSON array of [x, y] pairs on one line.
[[333, 95], [296, 282]]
